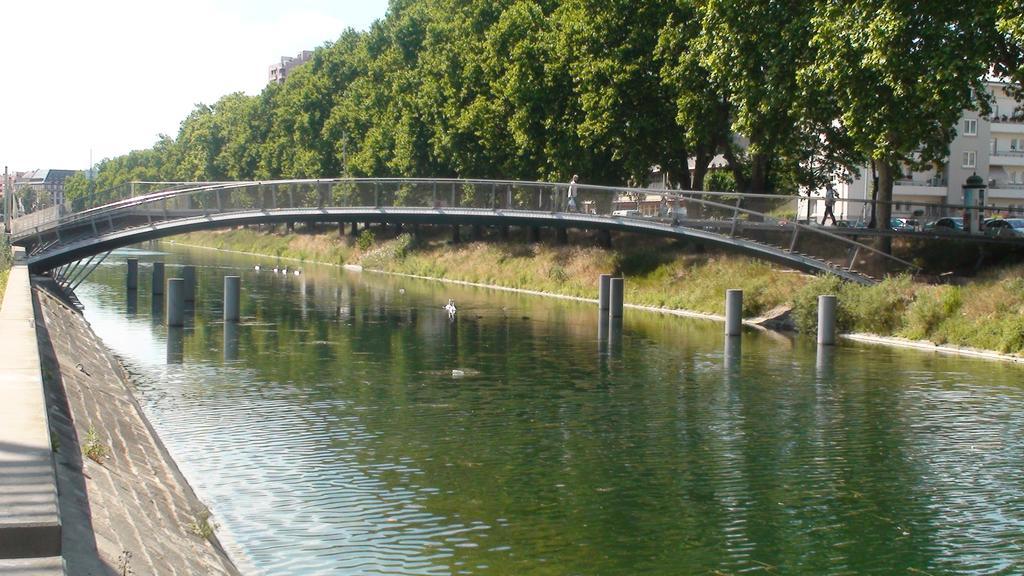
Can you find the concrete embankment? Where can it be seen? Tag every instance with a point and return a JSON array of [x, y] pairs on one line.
[[127, 508]]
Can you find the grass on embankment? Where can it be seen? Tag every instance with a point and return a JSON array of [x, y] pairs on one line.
[[987, 313]]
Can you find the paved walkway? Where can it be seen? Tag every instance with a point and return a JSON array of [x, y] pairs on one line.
[[133, 507]]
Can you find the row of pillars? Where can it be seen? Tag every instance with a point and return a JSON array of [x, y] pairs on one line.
[[610, 304], [180, 291]]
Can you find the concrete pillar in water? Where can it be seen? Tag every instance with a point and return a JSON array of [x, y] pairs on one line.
[[616, 291], [603, 295], [826, 319], [230, 341], [158, 279], [188, 274], [133, 273], [175, 302], [232, 297], [733, 312]]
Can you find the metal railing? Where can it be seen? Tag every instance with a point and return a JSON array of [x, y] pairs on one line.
[[748, 219]]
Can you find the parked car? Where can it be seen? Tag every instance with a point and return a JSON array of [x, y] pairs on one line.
[[903, 224], [945, 224], [627, 213], [1005, 227]]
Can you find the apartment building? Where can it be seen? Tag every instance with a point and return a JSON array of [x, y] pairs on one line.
[[278, 72], [992, 148]]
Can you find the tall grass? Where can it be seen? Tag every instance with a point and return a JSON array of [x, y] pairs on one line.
[[5, 263]]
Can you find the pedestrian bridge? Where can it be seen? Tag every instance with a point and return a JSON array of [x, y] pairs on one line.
[[68, 239]]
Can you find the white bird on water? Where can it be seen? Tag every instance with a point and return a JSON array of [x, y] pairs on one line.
[[450, 307], [256, 267]]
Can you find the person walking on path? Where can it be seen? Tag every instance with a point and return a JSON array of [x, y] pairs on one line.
[[571, 206], [830, 202]]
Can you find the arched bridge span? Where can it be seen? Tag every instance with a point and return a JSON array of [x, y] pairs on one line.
[[66, 235]]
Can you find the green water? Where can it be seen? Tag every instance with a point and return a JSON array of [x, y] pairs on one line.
[[330, 435]]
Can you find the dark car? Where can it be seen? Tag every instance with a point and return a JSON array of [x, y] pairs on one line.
[[1005, 227], [903, 224], [946, 224]]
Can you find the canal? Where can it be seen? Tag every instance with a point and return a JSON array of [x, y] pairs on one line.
[[348, 426]]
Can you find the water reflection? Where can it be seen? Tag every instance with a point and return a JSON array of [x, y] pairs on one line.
[[175, 344], [230, 341], [340, 440], [132, 302]]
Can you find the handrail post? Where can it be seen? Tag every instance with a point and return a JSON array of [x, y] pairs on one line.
[[853, 259], [735, 217], [291, 195], [453, 204], [796, 230], [376, 194]]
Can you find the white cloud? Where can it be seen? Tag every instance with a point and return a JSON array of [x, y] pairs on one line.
[[110, 76]]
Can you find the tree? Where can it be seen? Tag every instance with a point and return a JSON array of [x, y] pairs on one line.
[[897, 75], [752, 50]]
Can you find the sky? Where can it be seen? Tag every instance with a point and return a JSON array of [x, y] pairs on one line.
[[100, 79]]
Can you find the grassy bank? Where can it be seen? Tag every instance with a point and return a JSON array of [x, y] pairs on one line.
[[5, 264], [986, 313]]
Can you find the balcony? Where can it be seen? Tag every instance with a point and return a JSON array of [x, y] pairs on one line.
[[932, 187], [1006, 158], [1009, 190], [1005, 125]]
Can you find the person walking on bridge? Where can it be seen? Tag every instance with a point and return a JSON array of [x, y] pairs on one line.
[[830, 202], [571, 206]]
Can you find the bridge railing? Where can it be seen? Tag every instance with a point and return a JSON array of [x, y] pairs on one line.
[[761, 219]]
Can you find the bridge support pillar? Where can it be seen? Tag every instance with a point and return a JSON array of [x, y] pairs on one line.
[[733, 312], [616, 291], [604, 239], [826, 319], [562, 235], [456, 238], [355, 229], [503, 231], [158, 278], [133, 273], [175, 302], [188, 274], [603, 295], [341, 229], [534, 234], [232, 297], [478, 232]]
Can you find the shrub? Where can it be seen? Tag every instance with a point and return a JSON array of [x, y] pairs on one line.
[[930, 309], [366, 239], [805, 304], [878, 309], [93, 448]]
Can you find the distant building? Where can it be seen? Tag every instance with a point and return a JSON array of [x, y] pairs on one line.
[[992, 148], [45, 187], [278, 72]]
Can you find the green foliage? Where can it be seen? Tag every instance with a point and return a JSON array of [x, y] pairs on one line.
[[805, 304], [93, 447], [930, 309], [720, 181], [201, 525], [366, 239]]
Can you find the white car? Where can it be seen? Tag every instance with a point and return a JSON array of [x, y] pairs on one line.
[[626, 213]]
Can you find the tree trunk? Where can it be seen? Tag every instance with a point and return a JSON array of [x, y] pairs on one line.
[[700, 169], [758, 174], [883, 208]]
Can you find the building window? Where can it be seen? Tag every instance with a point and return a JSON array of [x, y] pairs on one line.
[[970, 159], [1015, 144], [970, 127]]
